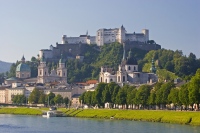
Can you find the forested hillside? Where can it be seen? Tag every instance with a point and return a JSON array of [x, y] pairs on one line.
[[169, 64]]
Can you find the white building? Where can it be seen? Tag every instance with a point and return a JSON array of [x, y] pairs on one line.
[[81, 39], [107, 36], [60, 74], [127, 73]]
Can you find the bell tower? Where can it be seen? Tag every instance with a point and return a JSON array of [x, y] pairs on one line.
[[42, 71]]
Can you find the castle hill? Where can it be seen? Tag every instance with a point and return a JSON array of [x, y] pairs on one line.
[[113, 75]]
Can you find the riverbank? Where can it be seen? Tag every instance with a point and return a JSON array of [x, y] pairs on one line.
[[179, 117], [21, 111]]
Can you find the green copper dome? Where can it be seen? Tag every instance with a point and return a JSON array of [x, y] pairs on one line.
[[22, 67]]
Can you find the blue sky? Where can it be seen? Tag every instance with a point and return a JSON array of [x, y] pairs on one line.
[[26, 26]]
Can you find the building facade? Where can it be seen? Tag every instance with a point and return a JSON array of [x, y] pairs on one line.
[[127, 73], [59, 74], [107, 36]]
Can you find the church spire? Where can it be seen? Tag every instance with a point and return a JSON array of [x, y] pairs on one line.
[[87, 32], [23, 59]]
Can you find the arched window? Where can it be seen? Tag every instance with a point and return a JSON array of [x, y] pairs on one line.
[[106, 80], [134, 68], [129, 68], [45, 73], [101, 79], [123, 78], [111, 80], [64, 74]]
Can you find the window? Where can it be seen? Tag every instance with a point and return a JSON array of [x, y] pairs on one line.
[[111, 80], [106, 80], [129, 68], [123, 78], [64, 74], [101, 79], [45, 73], [40, 72]]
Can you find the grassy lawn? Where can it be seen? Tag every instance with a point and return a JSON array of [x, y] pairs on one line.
[[192, 118], [180, 117], [21, 111]]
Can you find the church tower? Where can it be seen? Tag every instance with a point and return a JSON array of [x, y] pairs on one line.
[[62, 70], [42, 71], [121, 73], [122, 33]]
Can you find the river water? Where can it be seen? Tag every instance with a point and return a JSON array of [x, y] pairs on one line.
[[38, 124]]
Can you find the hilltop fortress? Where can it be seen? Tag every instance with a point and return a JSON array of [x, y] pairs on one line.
[[73, 46]]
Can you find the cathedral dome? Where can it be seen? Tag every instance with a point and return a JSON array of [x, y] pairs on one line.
[[22, 67]]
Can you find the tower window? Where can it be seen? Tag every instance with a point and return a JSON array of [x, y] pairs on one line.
[[118, 78]]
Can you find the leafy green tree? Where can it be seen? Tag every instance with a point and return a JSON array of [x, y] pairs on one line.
[[50, 98], [34, 96], [19, 99], [142, 95], [98, 94], [88, 98], [152, 98], [66, 101], [42, 98], [194, 89], [58, 99], [121, 97], [173, 97], [184, 95], [131, 94], [106, 96]]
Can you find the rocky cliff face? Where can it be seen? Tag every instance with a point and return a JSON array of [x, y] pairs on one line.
[[4, 66]]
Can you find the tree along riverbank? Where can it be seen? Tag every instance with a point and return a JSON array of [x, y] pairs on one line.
[[179, 117]]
